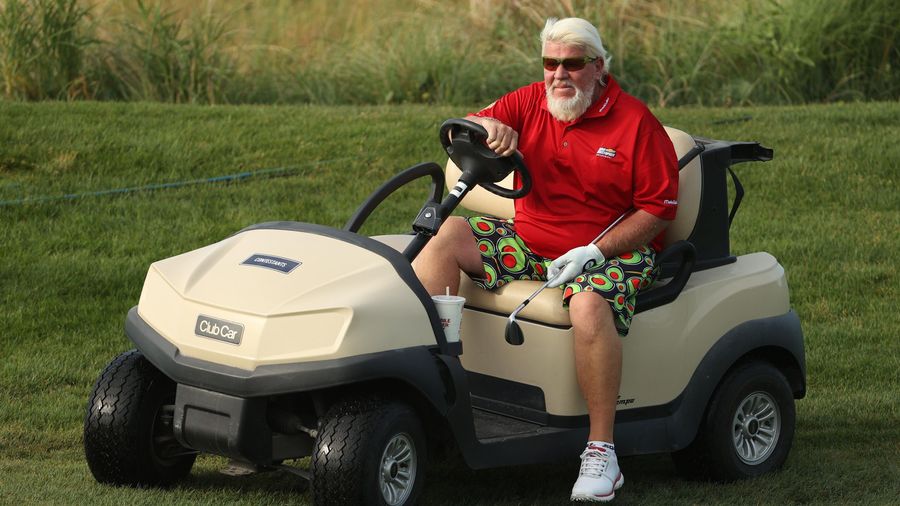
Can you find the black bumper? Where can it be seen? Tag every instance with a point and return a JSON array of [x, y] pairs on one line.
[[235, 427]]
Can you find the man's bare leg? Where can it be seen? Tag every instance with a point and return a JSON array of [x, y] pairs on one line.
[[452, 249], [598, 365], [598, 360]]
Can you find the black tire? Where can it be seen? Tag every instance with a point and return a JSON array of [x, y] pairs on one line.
[[350, 461], [733, 445], [128, 437]]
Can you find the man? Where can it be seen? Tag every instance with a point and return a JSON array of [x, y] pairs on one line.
[[595, 153]]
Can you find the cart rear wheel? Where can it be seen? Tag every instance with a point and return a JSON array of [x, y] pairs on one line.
[[748, 428], [128, 434], [368, 451]]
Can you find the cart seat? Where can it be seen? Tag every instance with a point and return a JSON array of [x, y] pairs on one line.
[[547, 307]]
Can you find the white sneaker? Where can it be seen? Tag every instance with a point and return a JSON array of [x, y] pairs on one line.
[[599, 477]]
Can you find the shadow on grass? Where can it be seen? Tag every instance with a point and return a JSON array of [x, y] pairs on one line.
[[451, 482], [274, 485]]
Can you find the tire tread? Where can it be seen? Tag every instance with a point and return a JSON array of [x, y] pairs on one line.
[[114, 424], [342, 474]]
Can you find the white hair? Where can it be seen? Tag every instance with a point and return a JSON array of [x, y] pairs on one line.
[[579, 33]]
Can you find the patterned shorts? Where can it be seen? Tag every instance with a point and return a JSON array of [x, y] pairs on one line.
[[506, 258]]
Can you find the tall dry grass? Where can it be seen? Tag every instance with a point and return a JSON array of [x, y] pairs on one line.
[[42, 45], [450, 51]]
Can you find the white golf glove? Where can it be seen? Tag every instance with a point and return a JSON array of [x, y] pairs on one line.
[[573, 263]]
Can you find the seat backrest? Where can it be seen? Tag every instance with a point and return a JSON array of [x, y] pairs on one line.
[[481, 201]]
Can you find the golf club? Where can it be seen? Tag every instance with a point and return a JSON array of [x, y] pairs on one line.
[[514, 334]]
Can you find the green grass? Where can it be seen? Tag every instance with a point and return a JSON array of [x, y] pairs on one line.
[[828, 207]]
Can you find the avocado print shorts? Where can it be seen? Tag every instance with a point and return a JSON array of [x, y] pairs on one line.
[[506, 258]]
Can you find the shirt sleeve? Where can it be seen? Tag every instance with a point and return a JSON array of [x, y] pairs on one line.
[[656, 174], [510, 108]]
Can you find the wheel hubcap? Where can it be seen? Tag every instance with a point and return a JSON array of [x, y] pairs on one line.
[[756, 427], [398, 469]]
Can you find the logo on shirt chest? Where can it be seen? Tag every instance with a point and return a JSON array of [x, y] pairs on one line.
[[606, 152]]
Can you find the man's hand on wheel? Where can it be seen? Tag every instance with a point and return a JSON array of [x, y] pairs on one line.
[[502, 139]]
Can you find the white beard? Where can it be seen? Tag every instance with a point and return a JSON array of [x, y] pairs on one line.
[[567, 109]]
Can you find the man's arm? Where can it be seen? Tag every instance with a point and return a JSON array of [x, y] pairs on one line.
[[635, 231], [501, 137]]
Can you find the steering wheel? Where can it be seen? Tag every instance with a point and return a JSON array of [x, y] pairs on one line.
[[464, 142]]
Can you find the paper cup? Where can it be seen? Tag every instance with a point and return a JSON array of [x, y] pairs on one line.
[[449, 309]]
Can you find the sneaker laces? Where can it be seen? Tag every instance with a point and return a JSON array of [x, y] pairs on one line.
[[594, 462]]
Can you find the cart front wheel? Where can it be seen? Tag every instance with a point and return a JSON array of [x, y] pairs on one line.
[[368, 451], [128, 430]]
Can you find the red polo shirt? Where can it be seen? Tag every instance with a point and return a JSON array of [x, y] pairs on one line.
[[587, 172]]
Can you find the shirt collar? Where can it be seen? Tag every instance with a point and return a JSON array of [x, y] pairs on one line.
[[607, 99]]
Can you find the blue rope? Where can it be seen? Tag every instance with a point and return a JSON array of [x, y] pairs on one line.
[[273, 172]]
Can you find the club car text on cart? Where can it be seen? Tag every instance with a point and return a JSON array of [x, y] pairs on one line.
[[223, 330]]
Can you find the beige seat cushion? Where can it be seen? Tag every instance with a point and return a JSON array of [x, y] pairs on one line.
[[689, 189], [547, 307]]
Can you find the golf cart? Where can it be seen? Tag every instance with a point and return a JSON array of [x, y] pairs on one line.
[[289, 340]]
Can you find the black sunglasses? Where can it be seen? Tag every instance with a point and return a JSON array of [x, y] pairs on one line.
[[570, 64]]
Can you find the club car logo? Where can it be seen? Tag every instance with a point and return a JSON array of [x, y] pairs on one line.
[[223, 330], [279, 264]]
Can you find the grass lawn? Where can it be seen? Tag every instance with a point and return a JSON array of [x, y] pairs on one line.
[[827, 207]]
